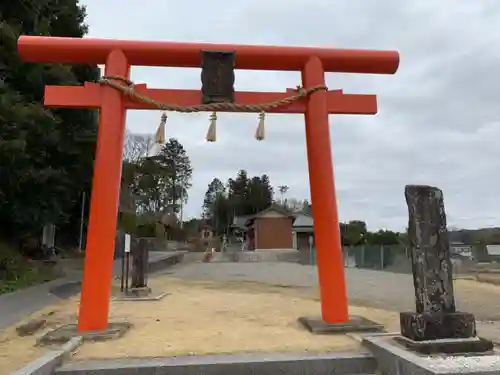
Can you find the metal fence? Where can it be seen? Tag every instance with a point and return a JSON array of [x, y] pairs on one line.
[[388, 258], [373, 257], [378, 257]]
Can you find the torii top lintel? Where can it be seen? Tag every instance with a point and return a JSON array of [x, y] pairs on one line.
[[187, 55], [169, 54]]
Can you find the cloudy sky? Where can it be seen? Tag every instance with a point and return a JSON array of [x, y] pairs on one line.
[[439, 115]]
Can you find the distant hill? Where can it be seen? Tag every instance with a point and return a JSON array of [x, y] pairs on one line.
[[472, 236]]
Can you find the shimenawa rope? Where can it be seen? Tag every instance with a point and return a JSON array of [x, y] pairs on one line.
[[127, 87]]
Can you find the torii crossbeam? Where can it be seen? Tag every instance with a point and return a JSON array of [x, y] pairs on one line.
[[118, 56]]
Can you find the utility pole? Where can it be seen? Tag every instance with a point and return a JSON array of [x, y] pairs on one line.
[[181, 208], [282, 189]]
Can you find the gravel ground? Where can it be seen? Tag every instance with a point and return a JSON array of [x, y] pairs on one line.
[[377, 289]]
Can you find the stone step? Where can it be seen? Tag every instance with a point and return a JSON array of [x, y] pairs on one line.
[[236, 364], [160, 261], [257, 256]]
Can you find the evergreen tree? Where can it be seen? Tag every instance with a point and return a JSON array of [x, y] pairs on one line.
[[215, 189], [259, 194], [46, 155], [150, 187], [267, 191], [216, 206], [238, 192]]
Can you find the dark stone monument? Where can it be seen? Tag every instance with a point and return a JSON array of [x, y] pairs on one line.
[[119, 244], [436, 317], [140, 261]]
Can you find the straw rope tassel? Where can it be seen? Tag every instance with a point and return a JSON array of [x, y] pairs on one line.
[[160, 132], [260, 133], [212, 129]]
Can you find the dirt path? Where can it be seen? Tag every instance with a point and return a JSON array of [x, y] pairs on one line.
[[198, 317], [246, 297], [384, 290]]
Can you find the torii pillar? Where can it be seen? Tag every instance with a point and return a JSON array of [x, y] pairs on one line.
[[120, 55]]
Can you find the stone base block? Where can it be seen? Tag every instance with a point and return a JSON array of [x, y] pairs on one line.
[[447, 346], [355, 324], [65, 333], [145, 297], [395, 359], [424, 327], [138, 292]]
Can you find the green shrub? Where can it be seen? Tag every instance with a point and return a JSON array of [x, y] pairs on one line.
[[17, 272], [128, 222]]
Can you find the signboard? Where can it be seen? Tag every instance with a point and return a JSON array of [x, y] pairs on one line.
[[462, 250], [217, 76], [493, 250], [127, 243]]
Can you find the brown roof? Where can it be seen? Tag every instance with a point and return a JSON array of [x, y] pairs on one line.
[[272, 207]]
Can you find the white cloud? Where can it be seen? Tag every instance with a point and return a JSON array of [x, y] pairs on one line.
[[438, 121]]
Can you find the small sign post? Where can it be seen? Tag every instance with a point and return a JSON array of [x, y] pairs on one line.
[[125, 262], [311, 251], [127, 243]]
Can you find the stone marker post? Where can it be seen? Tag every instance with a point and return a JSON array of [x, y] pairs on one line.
[[140, 255], [435, 316]]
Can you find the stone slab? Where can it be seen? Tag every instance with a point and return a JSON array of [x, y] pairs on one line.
[[67, 332], [355, 324], [236, 364], [46, 364], [30, 327], [138, 292], [151, 297], [394, 359], [447, 346]]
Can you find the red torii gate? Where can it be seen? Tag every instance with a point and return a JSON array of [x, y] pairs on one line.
[[119, 55]]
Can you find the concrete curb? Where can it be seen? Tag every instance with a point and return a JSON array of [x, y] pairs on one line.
[[46, 364], [249, 363], [361, 336]]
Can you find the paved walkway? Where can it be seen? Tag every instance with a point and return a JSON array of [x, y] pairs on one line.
[[14, 306]]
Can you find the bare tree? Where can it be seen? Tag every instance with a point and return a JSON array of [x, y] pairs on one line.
[[137, 146]]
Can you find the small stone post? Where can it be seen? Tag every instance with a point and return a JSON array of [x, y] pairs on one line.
[[435, 316]]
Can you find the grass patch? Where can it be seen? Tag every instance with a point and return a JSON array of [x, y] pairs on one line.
[[18, 272]]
